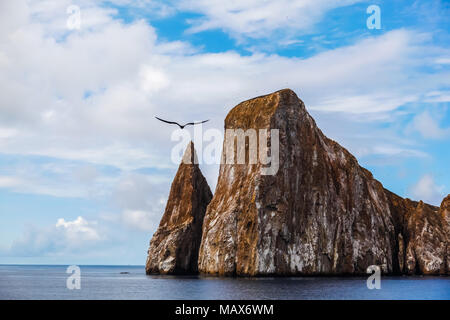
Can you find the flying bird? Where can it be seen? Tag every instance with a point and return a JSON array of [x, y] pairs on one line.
[[181, 126]]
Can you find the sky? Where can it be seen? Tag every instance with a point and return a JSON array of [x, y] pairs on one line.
[[85, 169]]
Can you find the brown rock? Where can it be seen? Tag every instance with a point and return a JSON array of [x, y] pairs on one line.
[[425, 252], [321, 213], [174, 247], [422, 234], [445, 213]]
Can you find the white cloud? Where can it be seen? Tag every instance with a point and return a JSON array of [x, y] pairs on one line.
[[87, 174], [429, 127], [259, 19], [141, 201], [79, 235], [138, 191], [78, 230], [390, 150], [53, 177], [44, 186], [7, 132], [427, 190], [91, 96], [438, 96], [141, 220], [153, 80], [8, 182]]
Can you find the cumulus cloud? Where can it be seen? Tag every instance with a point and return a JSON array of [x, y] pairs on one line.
[[78, 230], [427, 190], [63, 237], [92, 95]]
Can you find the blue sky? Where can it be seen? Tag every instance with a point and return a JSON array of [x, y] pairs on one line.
[[85, 169]]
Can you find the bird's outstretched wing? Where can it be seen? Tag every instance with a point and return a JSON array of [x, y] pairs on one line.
[[192, 123], [181, 126], [170, 122]]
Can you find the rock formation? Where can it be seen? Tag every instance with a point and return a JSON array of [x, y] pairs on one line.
[[174, 247], [321, 213], [445, 212], [422, 235]]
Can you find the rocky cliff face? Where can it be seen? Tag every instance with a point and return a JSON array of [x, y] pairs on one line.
[[422, 233], [426, 250], [321, 213], [445, 212], [174, 247]]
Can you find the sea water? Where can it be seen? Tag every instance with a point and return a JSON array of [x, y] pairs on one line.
[[130, 282]]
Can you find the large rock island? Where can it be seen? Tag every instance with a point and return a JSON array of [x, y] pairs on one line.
[[321, 213]]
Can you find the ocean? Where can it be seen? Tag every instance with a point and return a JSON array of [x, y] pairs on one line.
[[130, 282]]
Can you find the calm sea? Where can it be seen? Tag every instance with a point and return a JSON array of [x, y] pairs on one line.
[[130, 282]]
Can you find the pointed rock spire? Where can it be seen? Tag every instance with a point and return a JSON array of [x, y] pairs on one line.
[[190, 156], [174, 247]]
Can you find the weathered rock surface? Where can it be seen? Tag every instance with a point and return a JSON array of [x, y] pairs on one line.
[[423, 236], [321, 213], [174, 247], [445, 212], [426, 250]]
